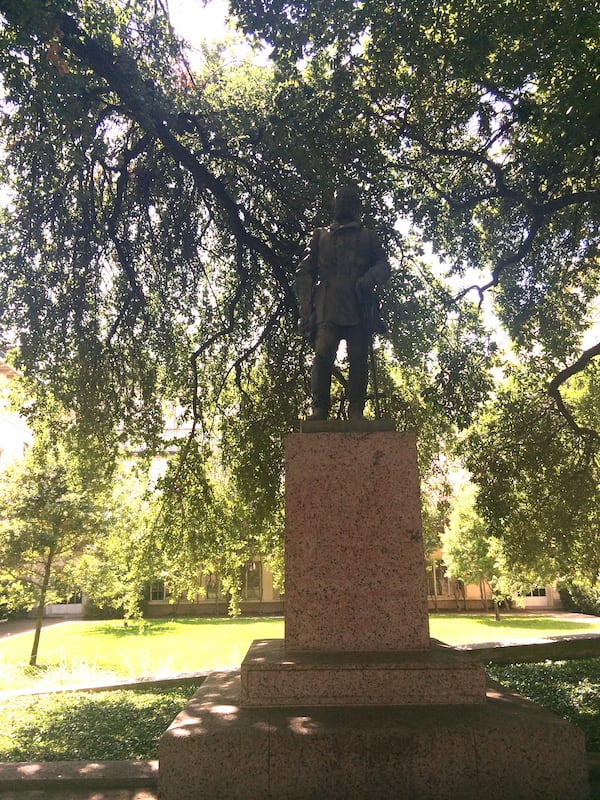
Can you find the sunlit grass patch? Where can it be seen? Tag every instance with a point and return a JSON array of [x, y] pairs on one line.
[[75, 652], [77, 671], [81, 652], [459, 629]]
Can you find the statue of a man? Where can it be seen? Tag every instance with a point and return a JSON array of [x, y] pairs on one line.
[[334, 284]]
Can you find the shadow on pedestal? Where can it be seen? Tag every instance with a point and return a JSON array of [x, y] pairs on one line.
[[504, 749]]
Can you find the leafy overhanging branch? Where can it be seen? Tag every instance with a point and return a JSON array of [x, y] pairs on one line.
[[148, 106], [136, 294], [536, 209], [554, 390]]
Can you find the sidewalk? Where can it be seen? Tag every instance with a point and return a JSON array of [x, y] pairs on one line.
[[18, 627]]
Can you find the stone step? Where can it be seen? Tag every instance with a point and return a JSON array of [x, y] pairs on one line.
[[505, 748], [271, 676], [79, 780]]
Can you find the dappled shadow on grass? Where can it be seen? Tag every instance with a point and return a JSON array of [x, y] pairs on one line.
[[105, 726], [158, 627]]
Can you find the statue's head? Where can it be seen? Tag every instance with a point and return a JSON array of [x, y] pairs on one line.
[[346, 204]]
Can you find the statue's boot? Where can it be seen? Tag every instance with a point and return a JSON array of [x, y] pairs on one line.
[[355, 411]]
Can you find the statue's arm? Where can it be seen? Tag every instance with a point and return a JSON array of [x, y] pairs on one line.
[[306, 276], [381, 270]]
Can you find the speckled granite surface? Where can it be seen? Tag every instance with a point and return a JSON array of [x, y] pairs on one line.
[[355, 577], [439, 676], [505, 749]]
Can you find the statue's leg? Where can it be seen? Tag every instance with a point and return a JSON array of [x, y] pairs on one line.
[[357, 340], [326, 344]]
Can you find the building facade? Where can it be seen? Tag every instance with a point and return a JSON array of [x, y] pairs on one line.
[[15, 436], [448, 594]]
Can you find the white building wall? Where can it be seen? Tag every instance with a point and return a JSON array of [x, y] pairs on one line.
[[15, 437]]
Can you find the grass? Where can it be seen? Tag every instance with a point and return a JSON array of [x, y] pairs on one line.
[[86, 726], [127, 724], [85, 652], [458, 629], [569, 688], [78, 652]]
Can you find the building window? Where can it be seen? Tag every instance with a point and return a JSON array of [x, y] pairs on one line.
[[438, 585], [157, 590], [537, 591], [252, 581], [212, 586], [74, 599]]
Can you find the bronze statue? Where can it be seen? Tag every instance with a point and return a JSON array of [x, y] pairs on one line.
[[335, 286]]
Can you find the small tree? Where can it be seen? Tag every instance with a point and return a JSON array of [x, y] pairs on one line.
[[105, 568], [48, 517], [471, 554]]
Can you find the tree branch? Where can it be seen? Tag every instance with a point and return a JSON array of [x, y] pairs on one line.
[[147, 105], [136, 291], [554, 390], [503, 263]]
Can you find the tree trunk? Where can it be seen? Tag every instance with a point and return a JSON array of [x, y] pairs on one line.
[[39, 617], [496, 610], [482, 594]]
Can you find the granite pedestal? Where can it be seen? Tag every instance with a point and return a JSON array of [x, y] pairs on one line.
[[354, 561], [504, 749], [357, 702]]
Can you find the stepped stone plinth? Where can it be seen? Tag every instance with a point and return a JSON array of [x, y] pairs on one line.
[[357, 702], [439, 676], [504, 749]]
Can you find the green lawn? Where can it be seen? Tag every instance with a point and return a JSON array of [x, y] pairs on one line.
[[86, 726], [128, 724], [77, 652], [458, 629]]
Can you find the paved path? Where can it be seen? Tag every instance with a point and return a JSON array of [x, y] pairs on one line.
[[22, 626]]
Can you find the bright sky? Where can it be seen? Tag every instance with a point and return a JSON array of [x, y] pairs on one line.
[[197, 21]]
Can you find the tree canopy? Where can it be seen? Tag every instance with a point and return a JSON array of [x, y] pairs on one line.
[[49, 515], [539, 487], [157, 213]]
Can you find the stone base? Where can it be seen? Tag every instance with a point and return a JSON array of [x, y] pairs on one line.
[[505, 748], [439, 676], [347, 425]]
